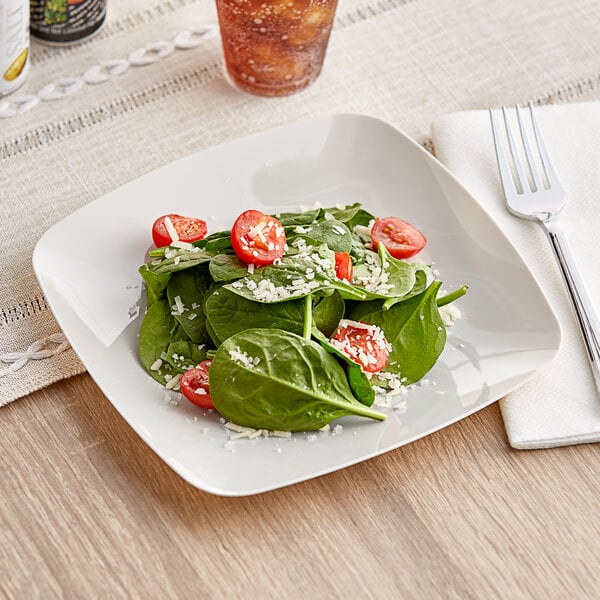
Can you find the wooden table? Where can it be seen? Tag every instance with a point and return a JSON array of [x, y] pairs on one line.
[[89, 511]]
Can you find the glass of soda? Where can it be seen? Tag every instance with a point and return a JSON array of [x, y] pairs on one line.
[[274, 47]]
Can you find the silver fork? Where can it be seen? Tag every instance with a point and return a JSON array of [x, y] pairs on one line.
[[535, 193]]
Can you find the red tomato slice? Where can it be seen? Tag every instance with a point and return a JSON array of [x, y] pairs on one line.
[[343, 266], [189, 229], [257, 238], [194, 385], [363, 343], [400, 238]]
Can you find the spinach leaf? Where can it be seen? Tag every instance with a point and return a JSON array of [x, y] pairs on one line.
[[421, 273], [351, 215], [211, 333], [357, 250], [156, 284], [155, 336], [190, 287], [179, 260], [216, 239], [295, 277], [274, 379], [183, 354], [413, 327], [219, 245], [227, 267], [228, 313], [383, 276], [362, 217], [327, 312], [359, 382], [298, 218], [333, 233]]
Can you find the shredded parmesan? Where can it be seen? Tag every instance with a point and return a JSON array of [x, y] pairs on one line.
[[251, 433], [449, 314], [173, 382], [182, 245], [171, 230]]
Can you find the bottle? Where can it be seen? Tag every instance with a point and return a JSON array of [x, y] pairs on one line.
[[14, 44], [63, 22]]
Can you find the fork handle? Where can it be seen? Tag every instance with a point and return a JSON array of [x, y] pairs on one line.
[[580, 300]]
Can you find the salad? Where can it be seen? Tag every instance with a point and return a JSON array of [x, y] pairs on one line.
[[289, 321]]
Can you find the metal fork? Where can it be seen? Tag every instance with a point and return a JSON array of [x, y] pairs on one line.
[[535, 193]]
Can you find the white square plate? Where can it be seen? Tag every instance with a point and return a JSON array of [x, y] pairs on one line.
[[87, 266]]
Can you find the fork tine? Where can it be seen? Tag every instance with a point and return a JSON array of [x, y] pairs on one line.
[[528, 153], [501, 159], [522, 178], [547, 163]]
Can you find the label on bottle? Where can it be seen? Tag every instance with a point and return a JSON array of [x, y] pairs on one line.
[[66, 21], [14, 44]]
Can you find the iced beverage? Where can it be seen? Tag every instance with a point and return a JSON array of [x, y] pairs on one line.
[[274, 47]]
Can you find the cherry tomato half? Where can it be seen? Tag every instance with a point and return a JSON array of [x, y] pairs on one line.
[[194, 385], [257, 238], [363, 343], [189, 229], [400, 238], [343, 266]]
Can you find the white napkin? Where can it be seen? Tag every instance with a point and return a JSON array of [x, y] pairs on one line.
[[560, 405]]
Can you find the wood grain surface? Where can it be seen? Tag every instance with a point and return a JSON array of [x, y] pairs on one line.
[[89, 511]]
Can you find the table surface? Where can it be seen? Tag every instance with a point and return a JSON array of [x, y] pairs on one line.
[[87, 510]]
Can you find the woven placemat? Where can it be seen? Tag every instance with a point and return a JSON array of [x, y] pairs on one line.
[[90, 118]]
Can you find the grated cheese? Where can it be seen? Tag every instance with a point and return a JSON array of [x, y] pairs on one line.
[[171, 230], [249, 432], [173, 382], [242, 358], [183, 245], [449, 314]]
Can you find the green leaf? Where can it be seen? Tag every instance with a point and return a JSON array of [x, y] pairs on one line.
[[213, 336], [413, 327], [314, 270], [154, 340], [358, 250], [383, 276], [333, 233], [191, 286], [156, 284], [273, 379], [359, 382], [216, 239], [184, 354], [327, 312], [421, 272], [228, 313], [218, 244], [179, 260], [352, 215], [293, 219], [227, 267]]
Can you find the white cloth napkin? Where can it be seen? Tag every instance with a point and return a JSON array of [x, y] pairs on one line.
[[560, 405]]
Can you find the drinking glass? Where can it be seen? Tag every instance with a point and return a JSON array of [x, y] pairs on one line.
[[274, 47]]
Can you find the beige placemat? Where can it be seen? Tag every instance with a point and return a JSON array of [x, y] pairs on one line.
[[406, 61]]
